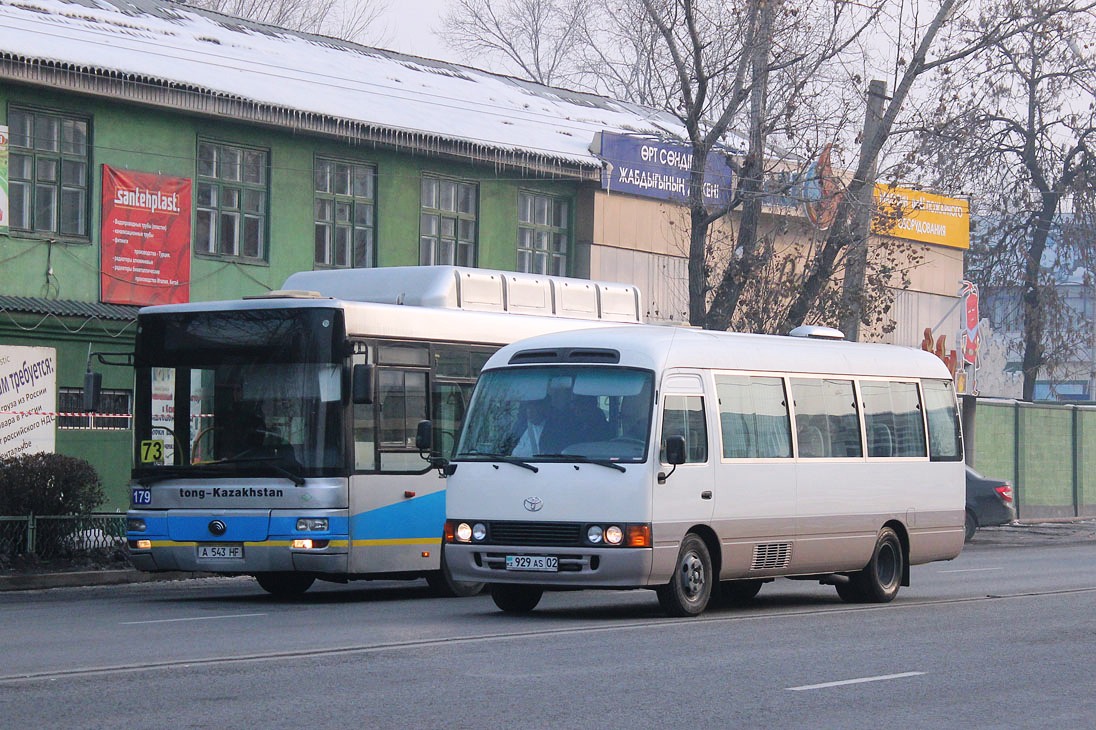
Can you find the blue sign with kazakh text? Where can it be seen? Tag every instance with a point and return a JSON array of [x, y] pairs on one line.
[[659, 169]]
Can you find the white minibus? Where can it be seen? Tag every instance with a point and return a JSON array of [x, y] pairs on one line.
[[703, 464]]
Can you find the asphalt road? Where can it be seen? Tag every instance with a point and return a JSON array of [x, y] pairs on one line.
[[1004, 636]]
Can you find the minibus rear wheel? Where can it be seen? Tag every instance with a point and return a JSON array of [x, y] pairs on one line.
[[516, 599], [690, 587], [880, 579]]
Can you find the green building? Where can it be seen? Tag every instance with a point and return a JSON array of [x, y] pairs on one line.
[[157, 153]]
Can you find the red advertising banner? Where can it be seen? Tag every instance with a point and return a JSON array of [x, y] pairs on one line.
[[145, 238]]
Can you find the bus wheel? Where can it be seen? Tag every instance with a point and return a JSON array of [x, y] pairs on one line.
[[880, 579], [689, 589], [442, 584], [739, 591], [516, 599], [285, 585]]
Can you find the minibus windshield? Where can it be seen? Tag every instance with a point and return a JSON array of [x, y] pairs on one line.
[[588, 413]]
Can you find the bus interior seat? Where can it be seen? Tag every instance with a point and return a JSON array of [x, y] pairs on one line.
[[811, 443], [880, 441]]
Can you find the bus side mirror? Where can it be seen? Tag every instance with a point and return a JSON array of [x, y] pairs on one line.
[[93, 387], [424, 436], [675, 450], [361, 385]]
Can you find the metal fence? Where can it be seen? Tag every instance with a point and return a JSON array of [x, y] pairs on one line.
[[1047, 451], [62, 537]]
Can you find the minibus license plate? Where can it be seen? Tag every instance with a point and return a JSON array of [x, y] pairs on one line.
[[220, 552], [541, 563]]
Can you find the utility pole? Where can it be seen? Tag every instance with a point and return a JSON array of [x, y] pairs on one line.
[[856, 263]]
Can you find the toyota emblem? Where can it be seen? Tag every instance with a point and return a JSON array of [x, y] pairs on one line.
[[533, 504]]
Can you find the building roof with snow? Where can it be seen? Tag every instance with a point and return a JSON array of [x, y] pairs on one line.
[[165, 54]]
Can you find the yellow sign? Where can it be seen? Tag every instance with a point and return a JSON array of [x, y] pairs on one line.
[[152, 451], [921, 216]]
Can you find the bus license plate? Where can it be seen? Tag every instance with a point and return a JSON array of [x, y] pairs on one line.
[[541, 563], [220, 552]]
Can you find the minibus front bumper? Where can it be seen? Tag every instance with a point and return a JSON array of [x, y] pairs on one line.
[[565, 567]]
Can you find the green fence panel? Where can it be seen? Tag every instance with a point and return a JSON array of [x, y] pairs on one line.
[[995, 439], [1045, 463], [1086, 460]]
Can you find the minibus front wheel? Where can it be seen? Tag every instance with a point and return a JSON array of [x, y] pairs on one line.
[[516, 599], [690, 587]]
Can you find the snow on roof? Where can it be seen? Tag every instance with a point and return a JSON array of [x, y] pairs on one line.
[[161, 43]]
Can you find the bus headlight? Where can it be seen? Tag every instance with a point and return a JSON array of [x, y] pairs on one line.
[[594, 534], [136, 524], [312, 524], [613, 535]]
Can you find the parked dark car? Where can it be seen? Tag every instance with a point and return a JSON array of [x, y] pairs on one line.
[[989, 502]]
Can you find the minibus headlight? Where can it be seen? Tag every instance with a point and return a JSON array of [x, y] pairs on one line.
[[479, 532], [464, 532], [312, 524], [613, 535], [594, 534], [136, 524]]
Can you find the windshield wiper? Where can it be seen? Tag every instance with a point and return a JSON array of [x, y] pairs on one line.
[[294, 477], [583, 459], [480, 456]]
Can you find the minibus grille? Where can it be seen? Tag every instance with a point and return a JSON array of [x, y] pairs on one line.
[[770, 556], [535, 533]]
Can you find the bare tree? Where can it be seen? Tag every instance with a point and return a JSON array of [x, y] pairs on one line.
[[352, 20], [958, 30], [535, 39], [1022, 138]]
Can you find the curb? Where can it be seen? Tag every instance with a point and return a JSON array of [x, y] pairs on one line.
[[38, 581]]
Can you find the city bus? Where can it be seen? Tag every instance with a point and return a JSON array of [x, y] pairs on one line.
[[703, 464], [275, 435]]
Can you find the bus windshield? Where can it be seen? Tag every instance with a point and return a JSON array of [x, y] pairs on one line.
[[232, 404], [560, 413]]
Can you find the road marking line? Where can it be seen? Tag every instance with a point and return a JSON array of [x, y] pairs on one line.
[[970, 570], [191, 618], [862, 680]]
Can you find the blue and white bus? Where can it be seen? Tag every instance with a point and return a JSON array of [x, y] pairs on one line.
[[275, 435]]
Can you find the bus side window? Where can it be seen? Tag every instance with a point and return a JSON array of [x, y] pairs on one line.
[[683, 415]]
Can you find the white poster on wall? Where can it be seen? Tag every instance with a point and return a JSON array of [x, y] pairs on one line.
[[28, 399]]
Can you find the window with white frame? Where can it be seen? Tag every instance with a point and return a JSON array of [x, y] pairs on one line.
[[447, 227], [48, 172], [115, 409], [232, 194], [345, 199], [543, 234]]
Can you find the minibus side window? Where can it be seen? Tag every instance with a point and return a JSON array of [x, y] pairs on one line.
[[683, 415], [826, 422], [945, 443], [892, 418], [753, 417]]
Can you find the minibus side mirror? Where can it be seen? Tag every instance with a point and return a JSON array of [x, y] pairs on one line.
[[361, 385], [675, 454], [675, 450]]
